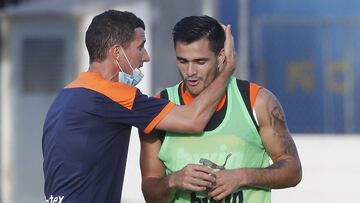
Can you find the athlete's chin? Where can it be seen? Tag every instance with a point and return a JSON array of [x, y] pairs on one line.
[[195, 92]]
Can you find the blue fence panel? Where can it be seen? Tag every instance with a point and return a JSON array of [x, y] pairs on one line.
[[229, 14], [306, 52]]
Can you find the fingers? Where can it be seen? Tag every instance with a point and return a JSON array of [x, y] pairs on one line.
[[198, 184], [216, 192], [203, 169], [203, 176], [195, 188], [223, 26], [229, 40], [226, 183], [196, 177], [229, 49], [219, 193]]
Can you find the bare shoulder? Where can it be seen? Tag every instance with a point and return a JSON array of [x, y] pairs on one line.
[[268, 108], [273, 127]]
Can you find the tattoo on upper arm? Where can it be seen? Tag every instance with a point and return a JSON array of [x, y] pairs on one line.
[[278, 124], [278, 117]]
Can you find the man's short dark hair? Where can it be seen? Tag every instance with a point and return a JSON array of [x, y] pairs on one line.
[[109, 28], [193, 28]]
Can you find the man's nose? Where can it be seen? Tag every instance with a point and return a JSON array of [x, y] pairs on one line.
[[146, 56]]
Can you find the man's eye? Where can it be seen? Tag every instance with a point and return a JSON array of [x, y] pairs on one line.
[[201, 62]]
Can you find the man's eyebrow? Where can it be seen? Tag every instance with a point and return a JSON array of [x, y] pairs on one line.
[[142, 44]]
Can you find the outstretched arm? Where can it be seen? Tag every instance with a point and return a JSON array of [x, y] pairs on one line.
[[195, 116], [192, 177], [286, 168]]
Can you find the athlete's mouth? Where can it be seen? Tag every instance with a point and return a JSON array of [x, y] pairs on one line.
[[192, 82]]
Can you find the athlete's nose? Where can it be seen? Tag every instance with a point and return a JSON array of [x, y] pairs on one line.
[[190, 70]]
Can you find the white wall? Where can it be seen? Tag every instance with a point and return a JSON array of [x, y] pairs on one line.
[[331, 170]]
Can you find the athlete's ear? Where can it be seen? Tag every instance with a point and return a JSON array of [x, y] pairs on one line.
[[221, 59]]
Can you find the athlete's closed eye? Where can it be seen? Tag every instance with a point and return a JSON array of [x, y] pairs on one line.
[[201, 61], [181, 60]]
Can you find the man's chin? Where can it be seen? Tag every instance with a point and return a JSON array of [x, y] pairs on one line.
[[194, 93]]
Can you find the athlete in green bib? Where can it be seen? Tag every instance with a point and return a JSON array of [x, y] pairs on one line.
[[245, 150]]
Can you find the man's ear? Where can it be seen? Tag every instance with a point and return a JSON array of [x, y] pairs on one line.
[[115, 50], [221, 58]]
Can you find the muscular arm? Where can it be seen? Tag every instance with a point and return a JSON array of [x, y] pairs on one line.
[[195, 116], [191, 177], [286, 168]]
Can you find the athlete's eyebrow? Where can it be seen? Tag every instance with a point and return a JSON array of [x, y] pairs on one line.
[[201, 59], [181, 58], [195, 60]]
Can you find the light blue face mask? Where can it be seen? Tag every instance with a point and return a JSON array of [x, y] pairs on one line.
[[132, 79]]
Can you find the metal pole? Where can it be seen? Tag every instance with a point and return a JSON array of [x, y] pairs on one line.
[[7, 165], [243, 61]]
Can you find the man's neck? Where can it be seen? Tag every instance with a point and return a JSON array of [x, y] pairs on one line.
[[104, 68]]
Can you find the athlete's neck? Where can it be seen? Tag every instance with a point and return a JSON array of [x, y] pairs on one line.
[[188, 97]]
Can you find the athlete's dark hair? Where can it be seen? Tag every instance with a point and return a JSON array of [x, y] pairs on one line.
[[193, 28], [109, 28]]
